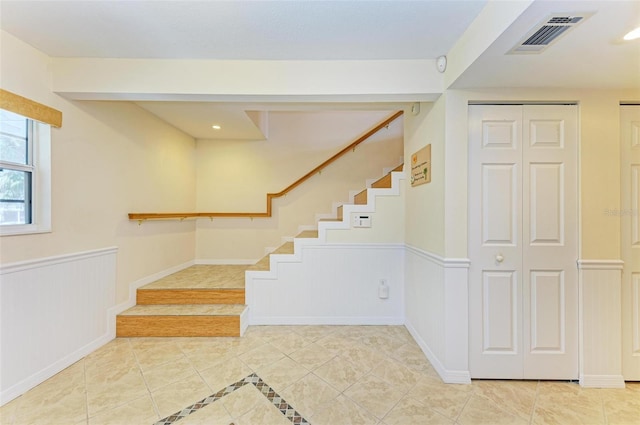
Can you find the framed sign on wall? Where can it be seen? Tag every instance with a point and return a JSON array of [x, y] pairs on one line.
[[421, 166]]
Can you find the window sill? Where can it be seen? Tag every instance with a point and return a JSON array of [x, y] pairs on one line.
[[29, 229]]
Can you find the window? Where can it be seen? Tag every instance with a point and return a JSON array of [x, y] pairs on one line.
[[24, 175]]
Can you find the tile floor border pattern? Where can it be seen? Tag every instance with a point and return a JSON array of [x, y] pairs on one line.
[[274, 398]]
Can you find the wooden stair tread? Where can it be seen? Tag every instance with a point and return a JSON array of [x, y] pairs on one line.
[[185, 310], [330, 219]]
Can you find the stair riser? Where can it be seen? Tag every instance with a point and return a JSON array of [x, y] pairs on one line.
[[360, 198], [383, 183], [190, 296], [176, 326]]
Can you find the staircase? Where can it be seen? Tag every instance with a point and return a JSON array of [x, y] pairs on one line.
[[205, 300], [201, 300]]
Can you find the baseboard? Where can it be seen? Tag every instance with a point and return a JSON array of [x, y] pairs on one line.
[[46, 373], [447, 376], [223, 262], [602, 381], [324, 320]]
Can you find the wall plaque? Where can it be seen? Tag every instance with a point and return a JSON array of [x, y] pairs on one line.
[[421, 166]]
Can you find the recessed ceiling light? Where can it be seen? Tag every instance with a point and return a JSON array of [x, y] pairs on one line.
[[632, 35], [216, 127]]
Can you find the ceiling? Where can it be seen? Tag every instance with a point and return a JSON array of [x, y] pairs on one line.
[[592, 55], [260, 30]]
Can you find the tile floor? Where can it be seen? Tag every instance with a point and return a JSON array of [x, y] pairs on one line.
[[323, 375]]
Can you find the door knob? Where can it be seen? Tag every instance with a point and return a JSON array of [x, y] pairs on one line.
[[499, 258]]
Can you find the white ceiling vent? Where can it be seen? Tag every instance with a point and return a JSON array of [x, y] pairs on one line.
[[547, 32]]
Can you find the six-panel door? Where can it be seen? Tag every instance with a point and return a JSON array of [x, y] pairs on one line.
[[523, 241]]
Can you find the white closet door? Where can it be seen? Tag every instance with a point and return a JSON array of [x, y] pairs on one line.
[[550, 248], [495, 246], [630, 225], [522, 242]]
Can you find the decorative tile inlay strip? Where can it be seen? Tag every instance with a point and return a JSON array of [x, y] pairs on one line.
[[285, 408]]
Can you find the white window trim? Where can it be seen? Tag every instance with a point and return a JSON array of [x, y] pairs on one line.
[[41, 190]]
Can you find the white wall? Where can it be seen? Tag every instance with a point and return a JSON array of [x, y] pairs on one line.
[[435, 286], [236, 175], [108, 159]]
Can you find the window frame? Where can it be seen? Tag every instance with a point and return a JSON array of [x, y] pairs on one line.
[[39, 165]]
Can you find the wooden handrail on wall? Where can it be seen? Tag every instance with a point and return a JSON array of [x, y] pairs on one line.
[[270, 196]]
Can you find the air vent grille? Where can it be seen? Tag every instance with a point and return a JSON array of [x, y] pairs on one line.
[[564, 20], [547, 32], [545, 35]]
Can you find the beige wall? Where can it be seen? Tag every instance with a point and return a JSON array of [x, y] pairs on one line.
[[424, 210], [236, 175], [599, 162], [108, 159]]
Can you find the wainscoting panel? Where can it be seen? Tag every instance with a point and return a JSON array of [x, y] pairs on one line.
[[332, 284], [436, 311], [53, 311], [600, 291]]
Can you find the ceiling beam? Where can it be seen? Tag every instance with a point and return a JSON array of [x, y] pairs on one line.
[[224, 80]]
